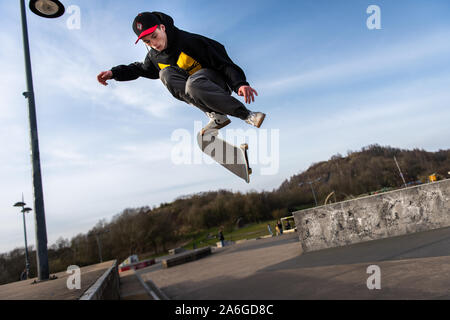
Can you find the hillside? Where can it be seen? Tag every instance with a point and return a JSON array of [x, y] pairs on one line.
[[155, 230], [373, 168]]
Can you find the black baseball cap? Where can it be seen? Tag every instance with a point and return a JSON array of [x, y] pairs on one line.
[[144, 24]]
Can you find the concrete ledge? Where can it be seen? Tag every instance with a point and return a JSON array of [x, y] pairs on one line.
[[176, 251], [186, 257], [107, 287], [265, 237], [226, 243], [415, 209], [147, 289], [155, 290]]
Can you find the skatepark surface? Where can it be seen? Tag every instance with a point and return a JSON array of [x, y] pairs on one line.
[[53, 289], [414, 266]]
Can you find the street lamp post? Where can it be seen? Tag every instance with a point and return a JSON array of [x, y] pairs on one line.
[[25, 210], [399, 170], [314, 194], [99, 243], [44, 8], [99, 247], [312, 189]]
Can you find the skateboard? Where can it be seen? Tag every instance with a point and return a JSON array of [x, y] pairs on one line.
[[231, 157]]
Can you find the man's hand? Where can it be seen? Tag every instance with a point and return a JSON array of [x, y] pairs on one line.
[[247, 92], [103, 76]]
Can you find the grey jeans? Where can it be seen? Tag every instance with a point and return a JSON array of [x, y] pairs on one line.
[[206, 89]]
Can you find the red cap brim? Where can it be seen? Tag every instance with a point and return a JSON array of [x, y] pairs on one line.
[[146, 32]]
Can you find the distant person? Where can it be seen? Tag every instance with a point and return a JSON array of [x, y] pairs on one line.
[[270, 229], [280, 227], [221, 238], [288, 225], [23, 275], [277, 229], [195, 69]]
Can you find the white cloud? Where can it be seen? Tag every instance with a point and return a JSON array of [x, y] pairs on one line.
[[107, 148], [74, 75], [366, 64]]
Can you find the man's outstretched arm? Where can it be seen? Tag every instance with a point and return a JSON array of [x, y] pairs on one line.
[[103, 76], [129, 72]]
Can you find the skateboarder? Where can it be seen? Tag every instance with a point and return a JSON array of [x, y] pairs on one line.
[[195, 69]]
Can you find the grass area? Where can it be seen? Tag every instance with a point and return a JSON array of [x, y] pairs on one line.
[[302, 207], [248, 232], [152, 256], [210, 237]]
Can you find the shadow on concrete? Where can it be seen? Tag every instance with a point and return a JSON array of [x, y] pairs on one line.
[[290, 286], [435, 243], [341, 273]]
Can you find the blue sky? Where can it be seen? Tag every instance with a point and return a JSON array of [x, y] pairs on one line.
[[327, 83]]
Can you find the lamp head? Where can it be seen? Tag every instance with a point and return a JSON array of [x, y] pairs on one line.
[[47, 8], [20, 204]]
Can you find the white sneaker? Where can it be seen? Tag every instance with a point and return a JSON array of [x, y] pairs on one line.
[[216, 122], [256, 119]]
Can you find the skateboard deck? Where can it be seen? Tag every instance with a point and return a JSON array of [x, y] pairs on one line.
[[231, 157]]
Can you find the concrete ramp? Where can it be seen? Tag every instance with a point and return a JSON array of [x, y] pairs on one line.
[[97, 282], [410, 210]]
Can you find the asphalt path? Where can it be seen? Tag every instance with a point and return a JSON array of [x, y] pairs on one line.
[[414, 266]]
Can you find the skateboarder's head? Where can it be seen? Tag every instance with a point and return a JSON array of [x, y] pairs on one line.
[[149, 28]]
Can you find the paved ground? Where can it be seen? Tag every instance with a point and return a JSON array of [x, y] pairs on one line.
[[415, 266], [53, 289], [131, 288]]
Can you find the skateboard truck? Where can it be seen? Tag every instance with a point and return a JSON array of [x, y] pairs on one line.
[[244, 147]]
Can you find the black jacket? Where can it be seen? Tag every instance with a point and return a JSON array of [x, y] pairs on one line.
[[188, 51]]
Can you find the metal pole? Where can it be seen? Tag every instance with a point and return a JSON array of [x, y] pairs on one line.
[[315, 200], [401, 174], [27, 260], [41, 232], [99, 247], [27, 263]]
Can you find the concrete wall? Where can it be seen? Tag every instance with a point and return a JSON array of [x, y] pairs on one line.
[[107, 287], [390, 214]]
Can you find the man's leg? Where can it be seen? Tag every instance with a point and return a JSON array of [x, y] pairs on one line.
[[208, 91], [208, 88], [175, 79]]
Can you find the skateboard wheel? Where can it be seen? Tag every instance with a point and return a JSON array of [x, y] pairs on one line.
[[244, 146], [249, 171]]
